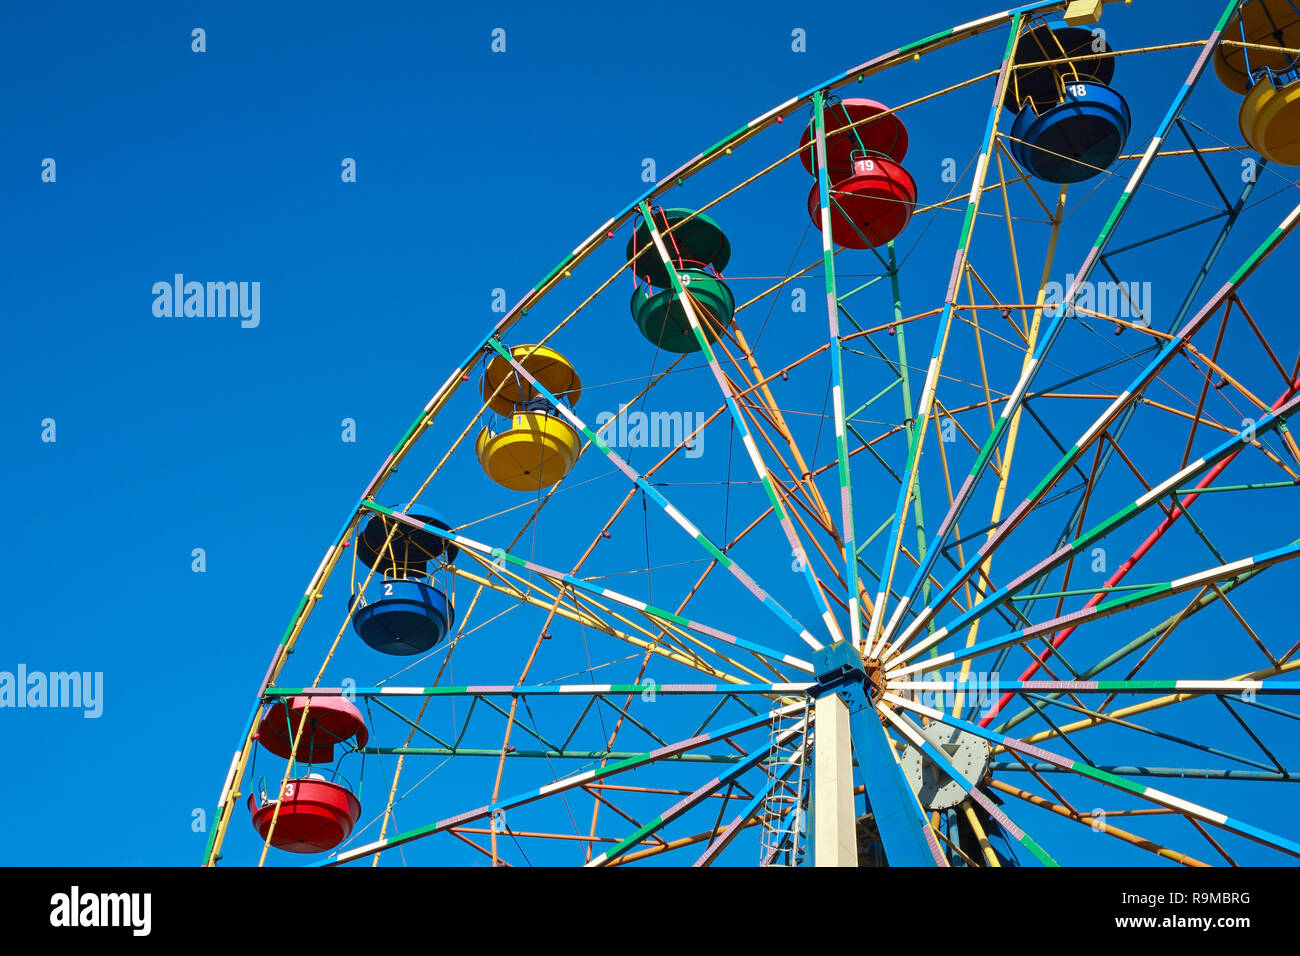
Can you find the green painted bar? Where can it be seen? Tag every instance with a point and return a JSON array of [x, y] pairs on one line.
[[1107, 777], [1033, 847], [1158, 685], [722, 143], [1149, 591], [941, 35], [1078, 592]]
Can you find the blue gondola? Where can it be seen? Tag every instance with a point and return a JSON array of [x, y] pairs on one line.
[[411, 548], [408, 617], [1075, 139]]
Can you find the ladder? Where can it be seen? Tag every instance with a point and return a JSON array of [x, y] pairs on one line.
[[783, 812]]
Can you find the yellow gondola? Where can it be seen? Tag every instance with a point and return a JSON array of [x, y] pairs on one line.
[[535, 447], [553, 371], [1270, 120], [535, 451], [1263, 23]]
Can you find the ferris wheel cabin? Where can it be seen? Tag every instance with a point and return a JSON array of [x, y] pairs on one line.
[[872, 197], [315, 815], [410, 614], [530, 446], [410, 617], [1070, 124], [394, 547], [312, 814], [698, 251], [1269, 117], [330, 721]]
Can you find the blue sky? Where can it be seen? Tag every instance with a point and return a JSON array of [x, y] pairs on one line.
[[475, 171]]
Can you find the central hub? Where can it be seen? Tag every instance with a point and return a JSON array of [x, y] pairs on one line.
[[840, 668], [875, 678]]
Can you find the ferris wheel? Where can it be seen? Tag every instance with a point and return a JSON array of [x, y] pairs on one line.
[[904, 480]]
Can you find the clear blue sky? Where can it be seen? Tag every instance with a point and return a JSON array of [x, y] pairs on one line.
[[475, 171]]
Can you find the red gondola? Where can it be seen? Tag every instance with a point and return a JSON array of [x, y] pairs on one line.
[[330, 720], [872, 196], [315, 815], [870, 208]]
